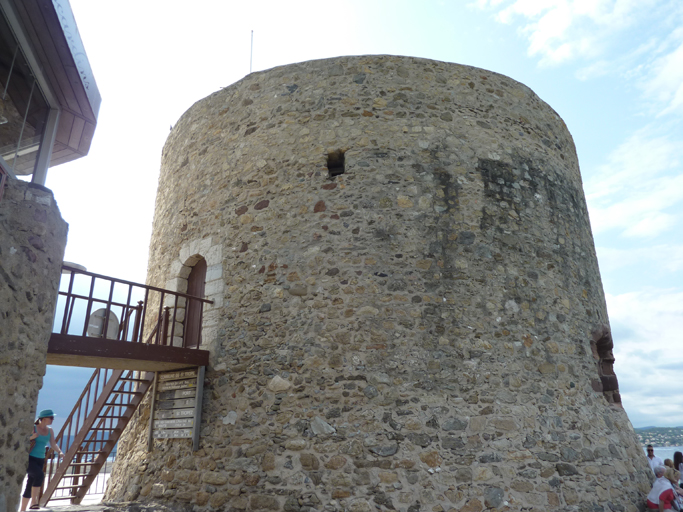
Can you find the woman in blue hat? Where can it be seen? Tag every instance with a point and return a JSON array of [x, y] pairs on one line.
[[42, 435]]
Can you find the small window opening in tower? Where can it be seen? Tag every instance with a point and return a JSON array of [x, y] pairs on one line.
[[335, 163]]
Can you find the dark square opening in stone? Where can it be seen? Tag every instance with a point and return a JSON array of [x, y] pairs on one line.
[[335, 163]]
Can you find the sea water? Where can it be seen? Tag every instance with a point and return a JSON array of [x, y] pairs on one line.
[[665, 452]]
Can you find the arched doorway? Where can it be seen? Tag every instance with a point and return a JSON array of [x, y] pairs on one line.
[[193, 317]]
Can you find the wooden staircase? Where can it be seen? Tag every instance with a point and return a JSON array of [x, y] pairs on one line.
[[91, 431], [106, 323]]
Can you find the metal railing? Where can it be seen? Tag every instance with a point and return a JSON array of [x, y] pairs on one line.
[[105, 307], [95, 493], [91, 432]]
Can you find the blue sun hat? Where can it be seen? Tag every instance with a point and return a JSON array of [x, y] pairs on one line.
[[46, 413]]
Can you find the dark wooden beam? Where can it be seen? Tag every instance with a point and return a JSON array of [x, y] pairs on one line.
[[67, 350]]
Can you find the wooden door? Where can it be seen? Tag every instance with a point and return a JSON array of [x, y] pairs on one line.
[[193, 316]]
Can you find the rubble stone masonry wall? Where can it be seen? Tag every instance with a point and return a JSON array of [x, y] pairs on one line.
[[32, 241], [405, 289]]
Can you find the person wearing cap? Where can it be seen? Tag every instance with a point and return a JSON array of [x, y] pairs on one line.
[[42, 435]]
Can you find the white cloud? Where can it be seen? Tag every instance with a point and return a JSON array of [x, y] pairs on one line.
[[648, 349], [628, 65], [562, 30], [643, 153], [651, 223], [595, 70], [663, 81], [642, 215], [611, 35], [639, 191], [663, 258]]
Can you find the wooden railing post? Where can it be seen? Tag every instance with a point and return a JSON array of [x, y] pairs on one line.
[[164, 328], [137, 323]]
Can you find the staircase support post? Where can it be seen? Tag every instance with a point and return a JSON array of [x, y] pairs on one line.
[[198, 408], [150, 435]]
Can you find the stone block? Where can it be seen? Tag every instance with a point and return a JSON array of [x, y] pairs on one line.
[[214, 255], [214, 478], [218, 499], [176, 284], [217, 302], [214, 287], [214, 272], [263, 502], [170, 300], [157, 490]]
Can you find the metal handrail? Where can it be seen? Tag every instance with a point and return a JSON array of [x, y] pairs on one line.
[[132, 283], [81, 411], [92, 429], [133, 330]]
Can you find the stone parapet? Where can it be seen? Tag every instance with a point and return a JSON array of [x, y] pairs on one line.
[[403, 315], [32, 241]]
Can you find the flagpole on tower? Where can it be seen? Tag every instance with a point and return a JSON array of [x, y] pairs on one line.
[[251, 55]]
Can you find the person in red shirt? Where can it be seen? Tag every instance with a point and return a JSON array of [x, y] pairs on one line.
[[662, 493]]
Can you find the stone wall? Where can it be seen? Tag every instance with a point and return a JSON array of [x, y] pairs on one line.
[[406, 302], [32, 241]]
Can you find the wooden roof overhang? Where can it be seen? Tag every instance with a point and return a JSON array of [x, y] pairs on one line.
[[47, 33], [68, 350]]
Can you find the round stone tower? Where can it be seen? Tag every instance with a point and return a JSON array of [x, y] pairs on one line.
[[408, 313]]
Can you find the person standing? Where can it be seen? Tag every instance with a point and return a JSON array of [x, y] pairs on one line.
[[678, 461], [652, 459], [42, 435]]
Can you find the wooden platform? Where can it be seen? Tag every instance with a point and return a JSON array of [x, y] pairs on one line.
[[67, 350]]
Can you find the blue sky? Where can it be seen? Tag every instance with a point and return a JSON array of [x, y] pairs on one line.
[[612, 69]]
